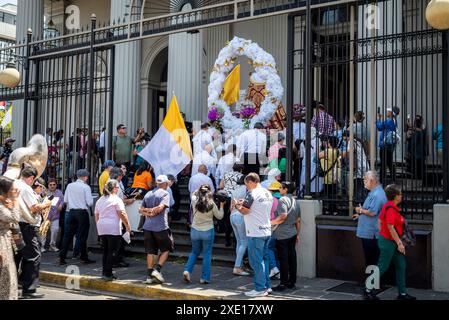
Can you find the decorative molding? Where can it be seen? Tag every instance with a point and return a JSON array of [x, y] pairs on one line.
[[155, 49]]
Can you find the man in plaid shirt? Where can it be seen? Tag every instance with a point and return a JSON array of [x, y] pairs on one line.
[[324, 122]]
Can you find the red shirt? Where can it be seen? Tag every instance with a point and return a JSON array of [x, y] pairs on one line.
[[391, 216]]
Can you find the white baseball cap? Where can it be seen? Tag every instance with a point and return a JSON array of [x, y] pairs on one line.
[[162, 179]]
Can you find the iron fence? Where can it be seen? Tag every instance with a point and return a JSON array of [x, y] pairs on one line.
[[379, 85]]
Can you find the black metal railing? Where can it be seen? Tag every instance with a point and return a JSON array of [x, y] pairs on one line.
[[356, 70]]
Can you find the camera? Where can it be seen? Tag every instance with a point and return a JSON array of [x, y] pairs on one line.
[[147, 137], [221, 196]]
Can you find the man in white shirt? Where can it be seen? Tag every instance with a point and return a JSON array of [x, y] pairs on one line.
[[199, 179], [78, 197], [28, 259], [256, 208], [205, 158], [252, 148], [202, 139], [226, 163]]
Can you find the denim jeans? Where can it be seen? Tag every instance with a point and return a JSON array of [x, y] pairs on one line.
[[258, 259], [272, 262], [238, 225], [202, 243]]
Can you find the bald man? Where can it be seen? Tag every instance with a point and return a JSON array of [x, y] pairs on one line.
[[206, 158], [199, 179]]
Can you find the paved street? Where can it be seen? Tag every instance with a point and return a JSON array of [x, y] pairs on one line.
[[224, 285], [55, 293]]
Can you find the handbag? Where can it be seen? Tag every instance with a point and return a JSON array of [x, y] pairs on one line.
[[408, 237]]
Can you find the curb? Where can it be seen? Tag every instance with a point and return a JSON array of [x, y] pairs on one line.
[[134, 289]]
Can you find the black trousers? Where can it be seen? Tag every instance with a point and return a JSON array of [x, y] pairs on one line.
[[225, 223], [110, 245], [286, 251], [119, 255], [386, 160], [371, 251], [251, 163], [78, 220], [28, 259], [330, 192]]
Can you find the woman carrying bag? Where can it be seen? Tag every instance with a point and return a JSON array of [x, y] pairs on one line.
[[109, 215], [202, 233], [391, 240]]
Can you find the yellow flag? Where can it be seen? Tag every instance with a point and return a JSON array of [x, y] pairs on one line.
[[231, 88]]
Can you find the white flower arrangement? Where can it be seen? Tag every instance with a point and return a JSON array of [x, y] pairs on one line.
[[265, 72]]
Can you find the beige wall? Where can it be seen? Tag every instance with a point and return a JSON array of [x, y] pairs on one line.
[[102, 8]]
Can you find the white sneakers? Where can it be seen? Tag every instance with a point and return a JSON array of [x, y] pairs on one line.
[[155, 278], [274, 272], [186, 277], [53, 248], [158, 276], [255, 293], [240, 272]]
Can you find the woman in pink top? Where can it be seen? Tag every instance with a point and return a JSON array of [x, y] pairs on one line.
[[109, 215], [273, 152]]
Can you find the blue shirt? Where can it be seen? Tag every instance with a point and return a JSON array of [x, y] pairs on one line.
[[438, 136], [367, 227], [153, 199], [384, 127]]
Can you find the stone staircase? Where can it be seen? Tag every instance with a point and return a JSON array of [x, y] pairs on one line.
[[221, 255]]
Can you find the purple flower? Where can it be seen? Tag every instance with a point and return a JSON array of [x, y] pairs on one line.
[[247, 112], [215, 114]]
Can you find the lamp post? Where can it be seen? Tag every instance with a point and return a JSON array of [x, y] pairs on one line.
[[437, 15]]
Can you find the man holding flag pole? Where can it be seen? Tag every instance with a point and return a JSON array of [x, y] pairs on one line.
[[169, 152]]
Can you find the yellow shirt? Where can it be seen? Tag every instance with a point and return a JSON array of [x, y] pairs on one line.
[[330, 164], [103, 180]]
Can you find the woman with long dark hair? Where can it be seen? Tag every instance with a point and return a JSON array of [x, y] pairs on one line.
[[202, 232], [9, 217]]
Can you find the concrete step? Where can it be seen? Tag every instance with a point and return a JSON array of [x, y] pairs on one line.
[[182, 240], [181, 253]]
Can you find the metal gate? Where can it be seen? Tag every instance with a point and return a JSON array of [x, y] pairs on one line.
[[374, 69], [68, 98]]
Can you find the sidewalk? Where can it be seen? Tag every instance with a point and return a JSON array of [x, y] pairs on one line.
[[224, 286]]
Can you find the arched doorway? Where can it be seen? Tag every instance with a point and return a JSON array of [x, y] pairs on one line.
[[154, 90]]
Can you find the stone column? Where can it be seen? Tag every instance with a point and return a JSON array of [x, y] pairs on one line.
[[126, 77], [30, 15], [440, 256], [306, 251], [185, 64]]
